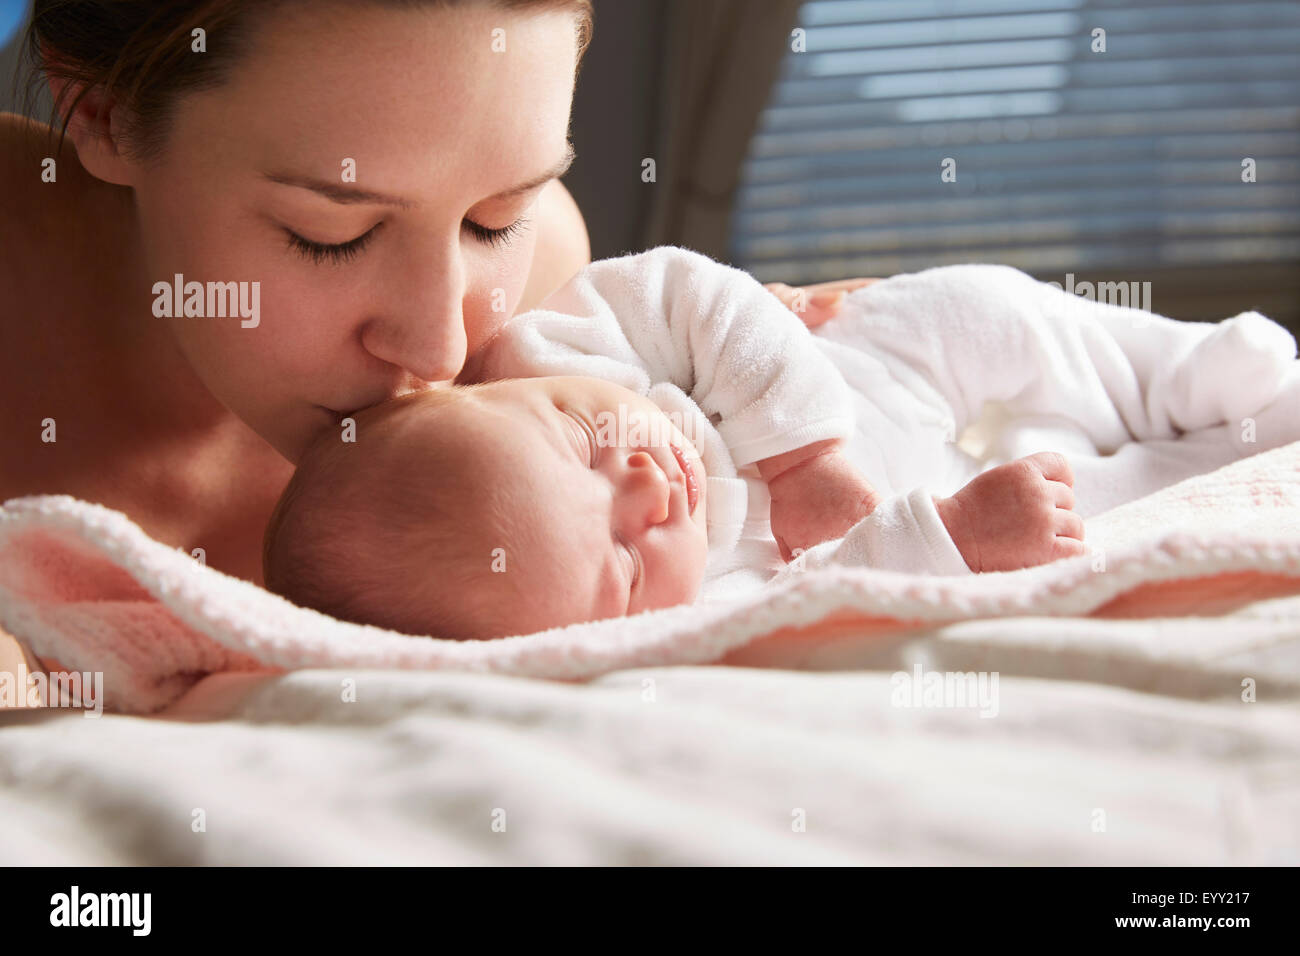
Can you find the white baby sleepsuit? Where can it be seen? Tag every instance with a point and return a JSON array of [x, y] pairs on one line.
[[906, 367]]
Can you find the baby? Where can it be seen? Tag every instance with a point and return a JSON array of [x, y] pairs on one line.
[[514, 506], [663, 429]]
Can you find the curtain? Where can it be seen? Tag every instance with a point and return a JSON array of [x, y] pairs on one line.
[[721, 58]]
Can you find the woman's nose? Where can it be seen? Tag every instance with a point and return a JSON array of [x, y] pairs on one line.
[[420, 327], [644, 495]]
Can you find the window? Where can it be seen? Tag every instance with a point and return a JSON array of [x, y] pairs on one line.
[[1068, 156]]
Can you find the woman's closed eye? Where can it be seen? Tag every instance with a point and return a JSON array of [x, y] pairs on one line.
[[495, 237], [319, 252], [338, 252]]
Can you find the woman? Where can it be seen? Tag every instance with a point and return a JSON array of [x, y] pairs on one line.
[[374, 185]]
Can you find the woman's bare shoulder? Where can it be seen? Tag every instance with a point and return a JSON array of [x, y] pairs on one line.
[[41, 179], [37, 182], [63, 238], [25, 147], [56, 220], [17, 130], [28, 214]]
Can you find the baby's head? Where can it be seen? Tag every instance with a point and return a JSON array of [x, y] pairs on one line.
[[492, 510]]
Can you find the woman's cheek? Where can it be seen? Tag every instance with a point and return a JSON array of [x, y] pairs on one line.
[[515, 266], [495, 293], [295, 308]]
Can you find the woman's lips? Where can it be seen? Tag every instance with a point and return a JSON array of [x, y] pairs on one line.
[[688, 475]]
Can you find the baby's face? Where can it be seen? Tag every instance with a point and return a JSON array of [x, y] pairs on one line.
[[604, 498]]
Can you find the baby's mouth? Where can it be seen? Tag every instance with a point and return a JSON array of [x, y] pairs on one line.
[[688, 475]]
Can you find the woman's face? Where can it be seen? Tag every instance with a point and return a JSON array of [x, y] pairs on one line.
[[374, 287]]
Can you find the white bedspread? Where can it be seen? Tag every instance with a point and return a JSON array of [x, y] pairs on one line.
[[1115, 742], [1124, 737]]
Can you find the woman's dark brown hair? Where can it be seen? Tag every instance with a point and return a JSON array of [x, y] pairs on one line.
[[139, 51]]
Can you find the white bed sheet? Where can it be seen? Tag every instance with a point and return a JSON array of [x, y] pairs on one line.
[[1115, 742]]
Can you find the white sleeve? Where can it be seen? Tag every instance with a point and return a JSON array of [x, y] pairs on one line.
[[673, 315], [904, 533], [983, 333]]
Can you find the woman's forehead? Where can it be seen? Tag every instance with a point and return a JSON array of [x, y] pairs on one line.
[[414, 95]]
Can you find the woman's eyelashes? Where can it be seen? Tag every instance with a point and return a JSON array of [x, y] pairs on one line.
[[495, 237], [319, 252], [340, 252]]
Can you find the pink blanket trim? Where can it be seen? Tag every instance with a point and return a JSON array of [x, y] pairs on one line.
[[83, 585]]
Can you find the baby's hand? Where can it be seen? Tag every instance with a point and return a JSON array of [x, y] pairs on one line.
[[818, 498], [1016, 515]]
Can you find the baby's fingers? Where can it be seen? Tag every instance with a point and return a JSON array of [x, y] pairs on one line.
[[1065, 547], [1062, 494], [1052, 466], [1068, 524], [816, 304], [1068, 539]]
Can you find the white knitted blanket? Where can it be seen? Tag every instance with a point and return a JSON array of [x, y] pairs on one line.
[[85, 587]]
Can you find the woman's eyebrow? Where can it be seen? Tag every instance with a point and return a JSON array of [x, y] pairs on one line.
[[341, 193], [337, 192], [558, 169]]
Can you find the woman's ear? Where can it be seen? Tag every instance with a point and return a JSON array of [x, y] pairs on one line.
[[94, 126]]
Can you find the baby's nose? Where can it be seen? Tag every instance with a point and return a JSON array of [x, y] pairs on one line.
[[646, 493]]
